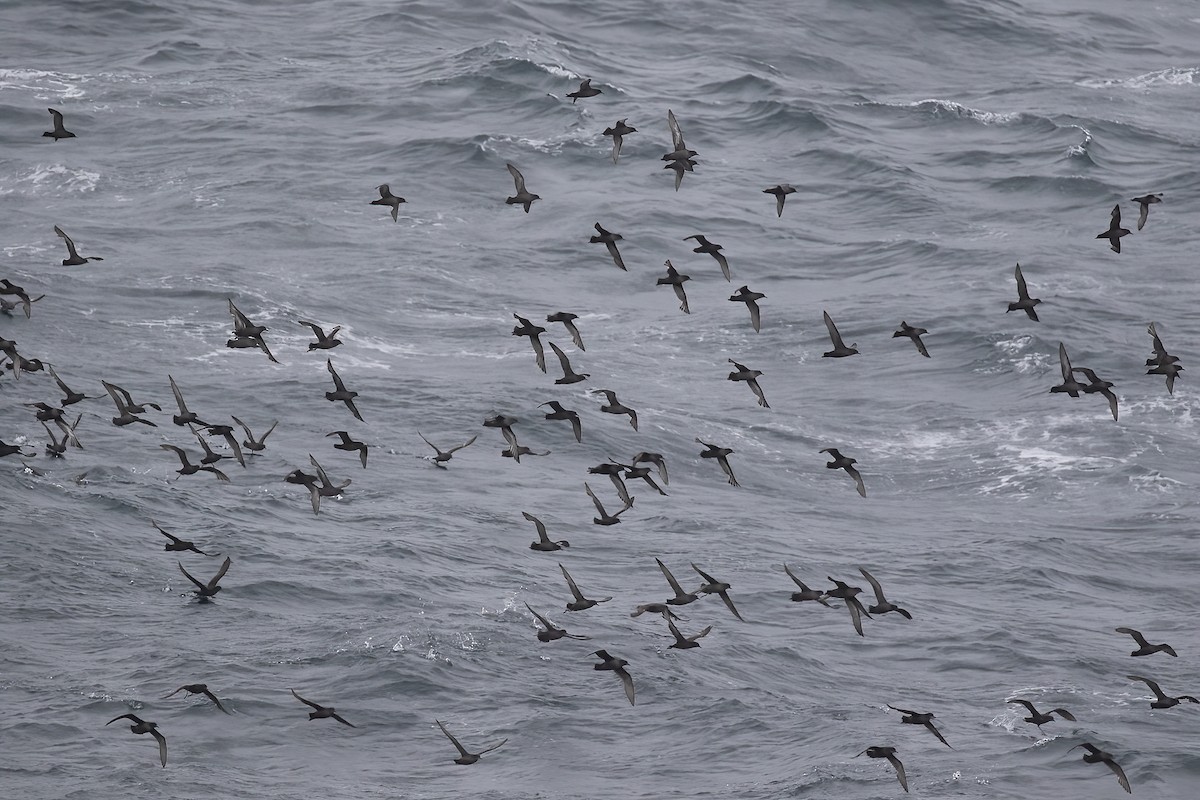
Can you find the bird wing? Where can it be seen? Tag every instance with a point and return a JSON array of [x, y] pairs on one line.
[[727, 469], [221, 572], [616, 149], [562, 358], [1116, 219], [855, 617], [462, 750], [679, 592], [162, 746], [541, 528], [758, 392], [779, 198], [599, 508], [56, 117], [317, 706], [58, 230], [1064, 362], [65, 389], [1145, 212], [724, 264], [431, 444], [679, 638], [518, 178], [467, 443], [1120, 773], [340, 719], [1137, 636], [164, 533], [895, 762], [540, 618], [683, 301], [349, 401], [571, 584], [1022, 289], [1154, 687], [834, 336], [182, 457], [920, 345], [337, 381], [707, 578], [616, 255], [199, 585], [178, 396], [755, 315], [858, 480], [1159, 350], [577, 428], [220, 475], [1112, 401], [113, 392], [627, 681], [207, 693], [729, 604], [133, 717], [878, 589], [317, 330], [676, 132], [937, 733]]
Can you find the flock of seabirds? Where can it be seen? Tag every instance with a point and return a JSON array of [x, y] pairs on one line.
[[643, 465]]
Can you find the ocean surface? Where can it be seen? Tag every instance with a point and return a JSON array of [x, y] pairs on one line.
[[229, 150]]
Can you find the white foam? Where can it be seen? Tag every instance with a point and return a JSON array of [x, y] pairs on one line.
[[1172, 76], [55, 176], [44, 85], [938, 107]]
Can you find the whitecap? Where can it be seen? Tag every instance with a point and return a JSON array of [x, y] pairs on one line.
[[44, 85], [1172, 76]]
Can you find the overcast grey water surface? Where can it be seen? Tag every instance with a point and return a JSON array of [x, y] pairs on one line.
[[229, 150]]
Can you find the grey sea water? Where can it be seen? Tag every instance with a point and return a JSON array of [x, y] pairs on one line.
[[229, 150]]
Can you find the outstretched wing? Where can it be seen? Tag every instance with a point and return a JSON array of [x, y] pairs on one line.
[[518, 180]]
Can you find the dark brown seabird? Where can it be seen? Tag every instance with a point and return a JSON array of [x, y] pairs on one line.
[[141, 726], [198, 688], [914, 334], [890, 754], [1024, 301], [1115, 231], [713, 249], [839, 348], [721, 455], [675, 279], [523, 197], [464, 757], [74, 259], [616, 665], [1144, 647], [568, 321], [445, 455], [320, 712], [1095, 755], [845, 462], [386, 198], [60, 132], [1144, 202], [609, 240], [617, 132]]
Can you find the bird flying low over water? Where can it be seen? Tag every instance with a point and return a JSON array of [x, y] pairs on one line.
[[1115, 231], [523, 197], [59, 132], [1162, 363], [686, 642], [585, 90], [675, 279], [552, 632], [141, 726], [681, 597], [125, 407], [206, 591], [845, 462], [890, 754], [750, 376], [1162, 700], [386, 198], [846, 593], [198, 688], [719, 588], [341, 392], [252, 444], [1069, 384], [557, 412], [750, 298], [657, 460], [527, 328], [613, 406], [839, 347], [713, 249], [781, 192], [914, 334], [1144, 202], [580, 603], [350, 445], [618, 132], [805, 592], [917, 718], [177, 545], [1144, 647], [568, 321], [1024, 302], [544, 542], [1040, 719], [188, 468], [1095, 755], [320, 712], [721, 455], [605, 518], [882, 606], [617, 666], [74, 258], [464, 757], [609, 240], [325, 341], [1097, 385], [569, 375]]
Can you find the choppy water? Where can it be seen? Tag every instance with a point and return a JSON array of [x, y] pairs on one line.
[[228, 150]]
